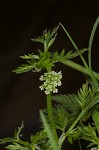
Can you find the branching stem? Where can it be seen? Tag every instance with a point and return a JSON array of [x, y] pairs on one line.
[[63, 137], [80, 68], [88, 68]]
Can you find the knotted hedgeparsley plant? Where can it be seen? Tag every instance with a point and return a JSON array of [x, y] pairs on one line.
[[74, 117]]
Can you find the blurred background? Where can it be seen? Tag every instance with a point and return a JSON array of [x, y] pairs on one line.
[[21, 21]]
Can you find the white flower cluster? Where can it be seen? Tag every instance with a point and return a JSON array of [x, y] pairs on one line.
[[94, 148], [51, 80]]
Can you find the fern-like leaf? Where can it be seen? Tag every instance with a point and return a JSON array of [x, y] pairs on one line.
[[88, 133], [30, 56], [38, 137], [6, 140], [39, 39], [24, 68], [68, 102], [95, 117], [48, 38], [88, 96], [69, 55], [16, 146], [60, 118]]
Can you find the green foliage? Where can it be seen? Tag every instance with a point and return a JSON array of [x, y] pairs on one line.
[[69, 55], [48, 38], [95, 117], [16, 146], [85, 100], [88, 96], [24, 68], [45, 59], [69, 104], [6, 140], [15, 143], [69, 117], [39, 136], [73, 135], [88, 133], [60, 118]]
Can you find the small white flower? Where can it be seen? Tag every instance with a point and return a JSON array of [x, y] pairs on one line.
[[41, 87], [47, 92], [41, 78], [59, 83], [55, 91], [51, 80]]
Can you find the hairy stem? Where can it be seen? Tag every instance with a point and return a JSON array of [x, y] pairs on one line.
[[63, 136], [75, 122], [50, 115]]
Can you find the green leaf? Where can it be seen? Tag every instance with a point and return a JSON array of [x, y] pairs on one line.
[[60, 118], [88, 133], [68, 102], [6, 140], [48, 38], [83, 94], [30, 56], [62, 57], [51, 42], [39, 39], [95, 116], [88, 97], [16, 146], [38, 137], [24, 68], [62, 53], [54, 31], [73, 135], [51, 34], [49, 132], [77, 53]]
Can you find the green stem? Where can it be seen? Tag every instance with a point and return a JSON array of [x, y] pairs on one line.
[[80, 68], [90, 47], [70, 38], [45, 46], [75, 122], [82, 58], [63, 136], [49, 131], [23, 143], [50, 116], [80, 147], [91, 41]]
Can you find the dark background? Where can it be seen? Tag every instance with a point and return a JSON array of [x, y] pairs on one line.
[[20, 21]]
